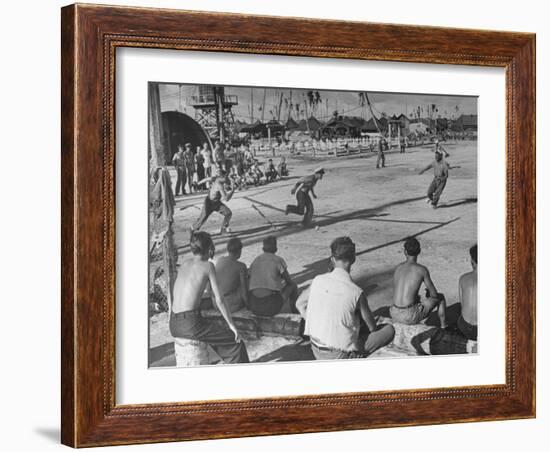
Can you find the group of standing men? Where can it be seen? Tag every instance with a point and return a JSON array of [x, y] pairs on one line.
[[192, 167]]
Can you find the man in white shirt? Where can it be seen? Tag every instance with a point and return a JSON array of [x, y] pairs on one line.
[[335, 308]]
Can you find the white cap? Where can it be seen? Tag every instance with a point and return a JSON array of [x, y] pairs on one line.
[[319, 169]]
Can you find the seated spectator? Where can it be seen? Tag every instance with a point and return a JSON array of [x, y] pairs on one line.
[[338, 319], [282, 168], [270, 285], [256, 171], [186, 320], [270, 172], [232, 276], [467, 295], [408, 277]]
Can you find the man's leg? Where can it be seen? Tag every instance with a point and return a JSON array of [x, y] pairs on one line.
[[441, 304], [190, 174], [183, 180], [431, 189], [378, 158], [379, 338], [308, 215], [383, 160], [205, 213], [222, 340], [299, 208], [227, 214], [438, 191], [178, 180], [208, 173]]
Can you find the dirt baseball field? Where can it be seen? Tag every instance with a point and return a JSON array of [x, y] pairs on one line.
[[377, 208]]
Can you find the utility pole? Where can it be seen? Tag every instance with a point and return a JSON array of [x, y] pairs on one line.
[[291, 106], [263, 105], [251, 105], [372, 114], [218, 99], [280, 107]]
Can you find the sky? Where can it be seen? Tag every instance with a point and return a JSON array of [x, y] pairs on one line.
[[347, 103]]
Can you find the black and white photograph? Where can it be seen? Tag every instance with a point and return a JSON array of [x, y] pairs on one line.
[[290, 224]]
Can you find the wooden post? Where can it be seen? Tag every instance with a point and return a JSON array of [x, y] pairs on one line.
[[157, 144], [160, 224]]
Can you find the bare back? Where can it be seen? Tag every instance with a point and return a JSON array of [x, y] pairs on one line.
[[467, 289], [193, 275], [407, 279], [228, 271]]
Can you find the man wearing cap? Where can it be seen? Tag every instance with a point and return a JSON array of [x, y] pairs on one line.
[[338, 319], [179, 163], [302, 189]]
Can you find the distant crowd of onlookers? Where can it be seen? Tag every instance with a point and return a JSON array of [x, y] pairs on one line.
[[195, 168]]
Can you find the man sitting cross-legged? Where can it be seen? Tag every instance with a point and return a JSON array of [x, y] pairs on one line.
[[467, 294], [336, 309], [185, 317], [232, 276], [270, 284], [408, 277]]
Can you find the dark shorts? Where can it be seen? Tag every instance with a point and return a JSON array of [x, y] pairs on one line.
[[191, 325], [266, 306], [468, 330]]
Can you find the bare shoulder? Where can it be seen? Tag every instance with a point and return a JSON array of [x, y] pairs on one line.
[[423, 269], [467, 278], [399, 267], [208, 267], [185, 263]]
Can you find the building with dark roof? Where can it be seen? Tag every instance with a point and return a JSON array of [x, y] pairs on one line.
[[465, 123], [344, 126]]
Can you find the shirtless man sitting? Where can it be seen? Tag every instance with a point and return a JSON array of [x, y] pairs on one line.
[[185, 316], [214, 202], [232, 276], [467, 294], [408, 277]]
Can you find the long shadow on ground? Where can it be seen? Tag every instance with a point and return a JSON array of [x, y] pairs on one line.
[[322, 265], [457, 202]]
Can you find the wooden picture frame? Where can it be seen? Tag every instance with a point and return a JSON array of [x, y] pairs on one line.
[[90, 36]]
